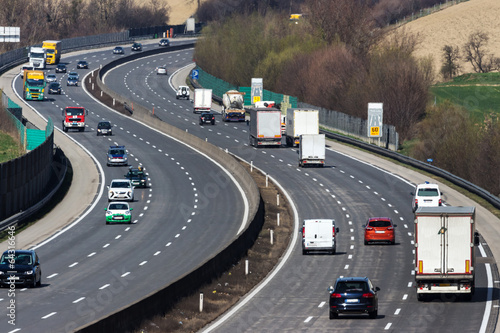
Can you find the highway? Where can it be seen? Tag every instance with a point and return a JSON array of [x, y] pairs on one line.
[[191, 210], [347, 190]]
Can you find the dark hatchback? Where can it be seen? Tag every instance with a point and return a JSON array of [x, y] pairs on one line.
[[61, 68], [207, 118], [104, 127], [20, 267], [82, 64], [136, 47], [55, 88], [353, 295]]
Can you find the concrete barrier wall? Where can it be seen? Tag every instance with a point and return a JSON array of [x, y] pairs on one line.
[[161, 301]]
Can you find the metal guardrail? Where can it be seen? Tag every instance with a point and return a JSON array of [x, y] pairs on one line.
[[479, 191]]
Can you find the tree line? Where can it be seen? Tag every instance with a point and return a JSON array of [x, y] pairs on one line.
[[339, 57]]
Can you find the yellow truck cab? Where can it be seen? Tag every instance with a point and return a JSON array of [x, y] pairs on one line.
[[53, 48]]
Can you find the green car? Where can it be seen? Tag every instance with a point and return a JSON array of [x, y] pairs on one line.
[[118, 212]]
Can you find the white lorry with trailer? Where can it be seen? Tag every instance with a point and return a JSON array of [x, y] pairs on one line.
[[37, 57], [444, 251], [202, 100], [312, 150], [298, 122], [319, 235], [265, 127], [233, 106]]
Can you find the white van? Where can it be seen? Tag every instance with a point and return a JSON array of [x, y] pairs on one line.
[[319, 235], [427, 195]]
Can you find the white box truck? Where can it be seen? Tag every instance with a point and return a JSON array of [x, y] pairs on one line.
[[444, 250], [319, 235], [265, 127], [312, 150], [202, 100], [298, 122]]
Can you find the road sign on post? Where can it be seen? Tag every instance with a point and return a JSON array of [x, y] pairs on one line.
[[375, 119], [194, 74], [257, 93]]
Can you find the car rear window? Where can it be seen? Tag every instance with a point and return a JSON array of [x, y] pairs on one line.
[[379, 224], [428, 192], [351, 286]]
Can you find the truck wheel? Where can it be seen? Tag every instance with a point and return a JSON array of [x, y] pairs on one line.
[[420, 297], [82, 129], [304, 252], [65, 129]]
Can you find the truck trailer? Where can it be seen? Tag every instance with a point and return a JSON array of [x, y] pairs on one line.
[[444, 251], [265, 127], [202, 100], [300, 121], [312, 150]]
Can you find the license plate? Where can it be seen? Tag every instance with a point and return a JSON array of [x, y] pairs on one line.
[[118, 217], [444, 284], [13, 278], [379, 231], [74, 123], [352, 300]]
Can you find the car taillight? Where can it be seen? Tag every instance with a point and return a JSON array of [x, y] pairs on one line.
[[368, 295], [416, 202], [333, 232], [303, 232], [335, 295], [369, 228], [440, 203], [390, 228]]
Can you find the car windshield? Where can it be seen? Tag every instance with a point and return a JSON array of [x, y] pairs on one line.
[[54, 85], [117, 152], [379, 224], [104, 125], [74, 112], [120, 184], [35, 82], [117, 206], [351, 286], [428, 192], [20, 259]]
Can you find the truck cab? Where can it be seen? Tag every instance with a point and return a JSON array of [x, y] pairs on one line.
[[74, 117]]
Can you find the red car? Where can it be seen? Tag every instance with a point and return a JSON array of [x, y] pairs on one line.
[[379, 229]]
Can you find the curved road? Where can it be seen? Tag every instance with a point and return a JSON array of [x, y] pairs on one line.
[[348, 190], [191, 210]]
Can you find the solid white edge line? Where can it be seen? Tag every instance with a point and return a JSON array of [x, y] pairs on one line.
[[245, 299], [489, 297]]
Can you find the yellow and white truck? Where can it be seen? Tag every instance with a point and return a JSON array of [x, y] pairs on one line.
[[53, 50]]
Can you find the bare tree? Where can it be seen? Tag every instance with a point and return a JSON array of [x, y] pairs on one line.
[[450, 67], [476, 53]]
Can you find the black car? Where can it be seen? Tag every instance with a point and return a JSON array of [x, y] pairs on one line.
[[164, 42], [207, 117], [137, 47], [20, 267], [355, 295], [61, 68], [55, 88], [82, 64], [137, 177], [104, 128], [118, 50]]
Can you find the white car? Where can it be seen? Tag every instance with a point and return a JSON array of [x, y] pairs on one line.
[[51, 78], [118, 211], [161, 70], [427, 195], [121, 189], [182, 92]]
